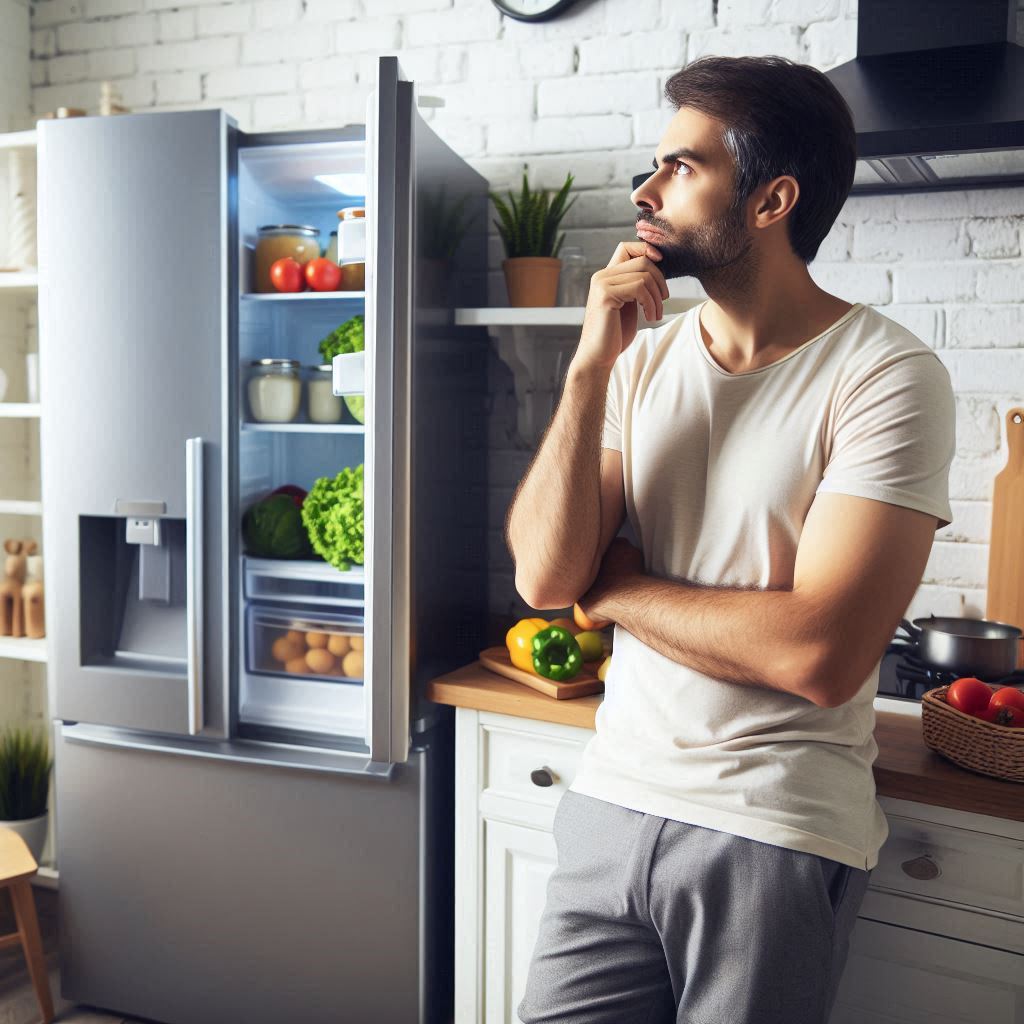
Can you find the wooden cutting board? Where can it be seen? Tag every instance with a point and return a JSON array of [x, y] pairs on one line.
[[1006, 549], [497, 660]]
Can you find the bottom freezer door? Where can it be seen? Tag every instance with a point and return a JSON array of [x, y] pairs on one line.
[[203, 889]]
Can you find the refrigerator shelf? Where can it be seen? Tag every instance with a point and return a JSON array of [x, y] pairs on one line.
[[303, 296], [303, 582], [305, 428]]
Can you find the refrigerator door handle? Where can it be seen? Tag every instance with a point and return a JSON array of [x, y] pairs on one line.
[[194, 580]]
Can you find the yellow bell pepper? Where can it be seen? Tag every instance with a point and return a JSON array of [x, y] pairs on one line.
[[517, 640]]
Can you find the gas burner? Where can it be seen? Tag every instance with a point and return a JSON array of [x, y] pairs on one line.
[[915, 676]]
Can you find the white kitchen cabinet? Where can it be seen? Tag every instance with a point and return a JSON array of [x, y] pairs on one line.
[[939, 939]]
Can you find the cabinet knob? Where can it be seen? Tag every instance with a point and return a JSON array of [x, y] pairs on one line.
[[923, 868], [543, 777]]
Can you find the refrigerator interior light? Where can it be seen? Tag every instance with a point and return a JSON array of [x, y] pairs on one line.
[[346, 184]]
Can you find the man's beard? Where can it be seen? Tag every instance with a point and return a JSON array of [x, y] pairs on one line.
[[713, 246]]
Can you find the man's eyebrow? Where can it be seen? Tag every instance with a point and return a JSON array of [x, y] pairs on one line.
[[679, 154]]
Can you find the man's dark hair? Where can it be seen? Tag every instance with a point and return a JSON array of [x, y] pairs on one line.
[[778, 117]]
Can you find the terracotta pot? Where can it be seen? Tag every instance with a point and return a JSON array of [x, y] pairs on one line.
[[532, 280]]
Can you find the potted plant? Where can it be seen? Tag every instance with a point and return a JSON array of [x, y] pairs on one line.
[[529, 229], [25, 766]]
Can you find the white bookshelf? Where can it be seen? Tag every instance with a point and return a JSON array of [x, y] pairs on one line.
[[18, 140], [19, 282], [22, 648], [19, 410]]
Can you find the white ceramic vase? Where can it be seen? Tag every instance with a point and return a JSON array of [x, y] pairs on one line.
[[32, 830]]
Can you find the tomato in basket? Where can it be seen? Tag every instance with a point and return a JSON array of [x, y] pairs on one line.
[[1004, 714], [1008, 696], [969, 695]]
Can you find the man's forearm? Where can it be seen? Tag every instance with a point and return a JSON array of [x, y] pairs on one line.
[[766, 638], [554, 522]]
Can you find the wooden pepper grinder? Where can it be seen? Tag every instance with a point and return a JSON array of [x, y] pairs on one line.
[[11, 609], [32, 594]]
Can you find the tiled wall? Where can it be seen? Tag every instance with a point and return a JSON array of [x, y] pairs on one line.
[[583, 94]]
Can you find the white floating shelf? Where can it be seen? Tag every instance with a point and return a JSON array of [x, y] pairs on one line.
[[303, 296], [22, 649], [21, 508], [305, 428], [18, 140], [20, 410], [19, 281]]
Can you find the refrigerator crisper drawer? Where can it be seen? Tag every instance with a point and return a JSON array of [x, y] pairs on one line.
[[305, 645], [309, 582]]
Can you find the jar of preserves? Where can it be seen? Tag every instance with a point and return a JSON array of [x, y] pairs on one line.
[[352, 248], [275, 391], [324, 405], [332, 248], [276, 241]]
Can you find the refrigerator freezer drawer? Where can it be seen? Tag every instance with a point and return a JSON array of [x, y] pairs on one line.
[[277, 580], [305, 645]]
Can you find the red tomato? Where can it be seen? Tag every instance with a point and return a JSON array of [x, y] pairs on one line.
[[1007, 696], [322, 275], [969, 695], [1006, 714], [286, 275]]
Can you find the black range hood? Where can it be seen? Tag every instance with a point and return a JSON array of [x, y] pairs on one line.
[[937, 95]]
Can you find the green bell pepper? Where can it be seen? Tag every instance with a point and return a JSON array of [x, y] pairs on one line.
[[556, 655]]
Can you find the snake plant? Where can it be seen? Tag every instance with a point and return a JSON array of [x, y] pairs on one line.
[[529, 225], [25, 766]]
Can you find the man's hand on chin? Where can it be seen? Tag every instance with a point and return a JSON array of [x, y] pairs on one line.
[[621, 564]]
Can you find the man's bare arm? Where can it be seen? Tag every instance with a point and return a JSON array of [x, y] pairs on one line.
[[858, 565]]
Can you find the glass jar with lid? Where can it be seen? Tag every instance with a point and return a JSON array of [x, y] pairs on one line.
[[275, 391], [323, 404], [352, 248], [276, 241]]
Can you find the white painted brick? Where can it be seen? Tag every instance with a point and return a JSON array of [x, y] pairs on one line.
[[111, 8], [932, 206], [331, 71], [972, 521], [649, 127], [79, 36], [921, 240], [223, 19], [691, 15], [581, 21], [856, 283], [732, 13], [995, 202], [379, 35], [778, 40], [136, 93], [254, 81], [454, 61], [977, 426], [37, 70], [803, 12], [55, 12], [47, 98], [945, 600], [181, 87], [982, 326], [500, 100], [421, 65], [44, 43], [343, 10], [971, 479], [959, 564], [201, 54], [835, 246], [614, 53], [987, 372], [995, 238], [69, 69], [955, 282], [630, 16], [137, 30], [926, 322], [452, 26], [332, 107], [163, 5], [504, 60], [176, 26], [595, 208], [589, 171], [1002, 282], [596, 94], [276, 13], [276, 112], [830, 43], [104, 64], [303, 42], [858, 209], [559, 134]]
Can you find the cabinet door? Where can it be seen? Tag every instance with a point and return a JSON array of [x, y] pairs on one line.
[[517, 864], [900, 976]]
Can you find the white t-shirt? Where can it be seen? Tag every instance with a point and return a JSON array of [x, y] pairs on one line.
[[720, 470]]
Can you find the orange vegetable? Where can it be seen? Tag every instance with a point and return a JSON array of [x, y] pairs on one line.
[[584, 621], [517, 640]]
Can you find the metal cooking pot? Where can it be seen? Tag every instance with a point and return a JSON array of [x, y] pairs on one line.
[[977, 647]]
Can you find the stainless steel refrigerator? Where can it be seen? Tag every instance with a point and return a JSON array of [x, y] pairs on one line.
[[237, 841]]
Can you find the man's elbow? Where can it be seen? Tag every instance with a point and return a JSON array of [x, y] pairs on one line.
[[825, 681], [544, 594]]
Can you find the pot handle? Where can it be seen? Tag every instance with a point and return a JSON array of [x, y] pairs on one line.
[[913, 632]]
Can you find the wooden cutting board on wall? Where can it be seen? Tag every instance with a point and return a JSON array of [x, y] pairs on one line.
[[1006, 550]]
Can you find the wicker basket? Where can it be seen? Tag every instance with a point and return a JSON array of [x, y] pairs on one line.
[[970, 742]]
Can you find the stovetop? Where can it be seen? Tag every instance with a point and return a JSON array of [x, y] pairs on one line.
[[905, 675]]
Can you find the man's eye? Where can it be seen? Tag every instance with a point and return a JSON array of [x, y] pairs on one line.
[[679, 163]]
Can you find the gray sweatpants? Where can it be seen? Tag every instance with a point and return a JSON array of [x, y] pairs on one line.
[[651, 921]]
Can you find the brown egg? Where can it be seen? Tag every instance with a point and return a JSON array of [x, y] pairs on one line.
[[339, 644], [296, 634], [287, 647], [319, 660], [316, 639], [357, 643], [297, 666], [353, 664]]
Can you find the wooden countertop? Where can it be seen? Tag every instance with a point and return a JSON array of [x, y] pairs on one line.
[[905, 768]]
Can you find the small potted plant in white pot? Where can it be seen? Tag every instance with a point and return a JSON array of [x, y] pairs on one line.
[[529, 229], [25, 767]]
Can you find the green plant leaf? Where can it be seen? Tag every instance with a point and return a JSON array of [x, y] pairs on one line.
[[25, 767]]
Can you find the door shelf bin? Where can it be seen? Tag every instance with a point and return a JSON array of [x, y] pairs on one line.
[[304, 645], [308, 582]]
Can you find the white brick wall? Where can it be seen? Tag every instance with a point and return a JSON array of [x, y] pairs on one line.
[[583, 94]]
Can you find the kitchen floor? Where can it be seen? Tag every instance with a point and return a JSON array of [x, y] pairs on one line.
[[17, 1000]]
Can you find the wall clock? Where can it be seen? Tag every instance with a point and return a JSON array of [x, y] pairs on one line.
[[532, 10]]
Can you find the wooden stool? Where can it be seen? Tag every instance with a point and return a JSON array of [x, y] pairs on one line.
[[17, 866]]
